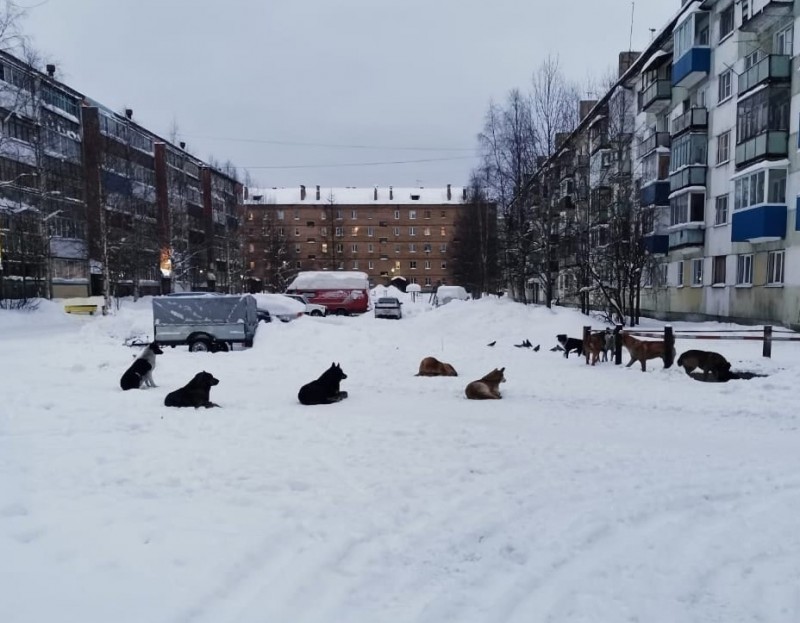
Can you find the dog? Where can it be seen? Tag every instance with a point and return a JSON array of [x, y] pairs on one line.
[[609, 345], [488, 387], [641, 351], [570, 344], [593, 345], [707, 361], [431, 366], [196, 393], [325, 390], [140, 371]]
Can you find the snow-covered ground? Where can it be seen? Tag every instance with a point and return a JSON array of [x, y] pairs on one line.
[[591, 494]]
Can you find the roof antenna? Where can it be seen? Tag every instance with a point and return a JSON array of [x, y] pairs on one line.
[[652, 33], [630, 40]]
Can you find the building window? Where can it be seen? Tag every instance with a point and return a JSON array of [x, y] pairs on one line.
[[298, 264], [745, 10], [297, 248], [428, 281], [444, 265], [324, 247], [296, 231], [322, 216], [370, 232], [687, 208], [412, 231], [697, 272], [339, 247], [718, 270], [370, 265], [412, 247], [765, 110], [355, 231], [323, 231], [297, 215], [784, 41], [412, 214], [775, 267], [397, 265], [724, 90], [427, 231], [427, 213], [744, 270], [252, 265], [443, 248], [250, 215], [340, 231], [754, 189], [397, 215], [279, 215], [396, 231], [688, 149], [370, 247], [354, 248], [721, 210], [724, 147], [252, 247], [426, 247], [397, 248], [726, 22], [339, 215], [427, 264], [355, 264], [679, 280], [413, 264]]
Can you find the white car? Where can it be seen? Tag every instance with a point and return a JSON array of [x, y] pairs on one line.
[[278, 306], [312, 309]]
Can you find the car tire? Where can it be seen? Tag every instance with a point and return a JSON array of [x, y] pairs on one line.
[[200, 345], [315, 312], [341, 312]]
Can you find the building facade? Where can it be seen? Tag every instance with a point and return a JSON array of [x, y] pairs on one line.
[[715, 163], [89, 196], [384, 232]]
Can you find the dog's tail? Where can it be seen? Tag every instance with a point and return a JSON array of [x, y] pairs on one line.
[[668, 361]]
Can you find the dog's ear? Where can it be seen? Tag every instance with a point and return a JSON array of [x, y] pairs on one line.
[[503, 369]]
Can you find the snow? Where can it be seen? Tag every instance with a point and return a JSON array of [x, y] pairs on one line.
[[346, 196], [599, 494], [324, 279]]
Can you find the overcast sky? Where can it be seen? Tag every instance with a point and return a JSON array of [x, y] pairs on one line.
[[282, 87]]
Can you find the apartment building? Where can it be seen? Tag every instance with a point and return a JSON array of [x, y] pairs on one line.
[[714, 162], [89, 195], [384, 232]]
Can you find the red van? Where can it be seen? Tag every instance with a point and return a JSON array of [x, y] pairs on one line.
[[342, 292]]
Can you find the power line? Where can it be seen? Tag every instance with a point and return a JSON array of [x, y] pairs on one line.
[[330, 145], [352, 164]]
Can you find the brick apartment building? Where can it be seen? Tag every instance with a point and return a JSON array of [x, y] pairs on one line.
[[88, 194], [384, 232]]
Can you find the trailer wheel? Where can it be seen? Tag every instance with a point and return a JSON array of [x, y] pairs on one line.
[[200, 345]]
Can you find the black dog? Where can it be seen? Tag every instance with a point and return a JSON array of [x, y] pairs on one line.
[[135, 375], [140, 372], [570, 344], [325, 389], [196, 393]]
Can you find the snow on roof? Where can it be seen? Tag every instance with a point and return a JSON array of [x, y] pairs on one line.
[[324, 279], [350, 195]]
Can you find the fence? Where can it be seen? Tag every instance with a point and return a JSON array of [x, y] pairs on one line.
[[767, 336]]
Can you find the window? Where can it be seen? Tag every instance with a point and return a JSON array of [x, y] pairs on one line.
[[724, 147], [397, 265], [427, 264], [323, 216], [252, 247], [726, 22], [426, 247], [370, 232], [297, 215], [412, 214], [444, 265], [354, 248], [427, 213], [252, 265], [765, 110], [355, 231], [353, 214], [745, 10], [697, 272], [397, 248], [443, 214], [744, 270], [721, 210], [775, 266], [297, 248], [296, 231], [370, 265], [428, 281], [784, 41], [443, 232], [688, 149], [339, 247], [687, 208], [412, 231], [370, 247], [427, 231], [718, 270], [751, 59], [279, 215], [606, 158], [412, 264], [760, 187], [397, 215], [324, 247], [443, 248], [396, 231], [724, 86], [339, 215], [340, 231], [679, 280], [355, 264], [323, 231], [412, 247]]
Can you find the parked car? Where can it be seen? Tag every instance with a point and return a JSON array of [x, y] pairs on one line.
[[445, 294], [388, 307], [342, 292], [312, 309], [278, 306]]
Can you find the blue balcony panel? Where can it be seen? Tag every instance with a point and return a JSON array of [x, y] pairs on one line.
[[656, 193], [760, 224], [692, 67], [656, 244]]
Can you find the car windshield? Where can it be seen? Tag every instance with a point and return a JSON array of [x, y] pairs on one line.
[[388, 300]]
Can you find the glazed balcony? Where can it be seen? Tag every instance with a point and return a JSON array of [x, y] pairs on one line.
[[653, 142], [769, 144], [656, 193], [656, 244], [657, 96], [692, 175], [772, 68], [690, 237], [694, 119], [772, 12]]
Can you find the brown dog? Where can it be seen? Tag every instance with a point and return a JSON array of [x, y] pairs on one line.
[[431, 366], [642, 350], [488, 387], [594, 345]]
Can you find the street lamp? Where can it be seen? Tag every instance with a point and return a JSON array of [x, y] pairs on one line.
[[49, 258]]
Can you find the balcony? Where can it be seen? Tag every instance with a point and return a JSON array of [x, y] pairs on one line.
[[762, 223], [656, 96], [772, 143], [682, 238], [770, 14], [693, 119], [692, 175], [655, 193], [653, 142], [656, 244], [692, 67], [772, 68]]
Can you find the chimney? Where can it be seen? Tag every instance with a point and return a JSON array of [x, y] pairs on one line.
[[129, 113], [375, 194], [317, 192], [584, 106], [51, 70], [182, 145], [449, 194], [391, 193], [302, 193], [626, 59], [464, 193]]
